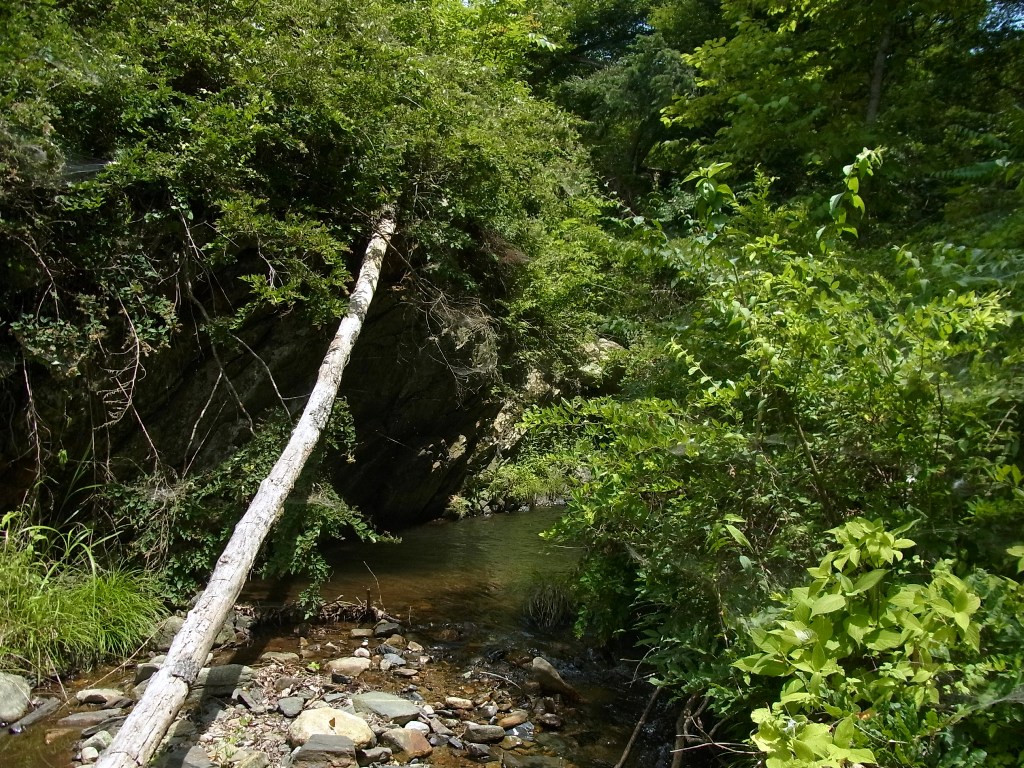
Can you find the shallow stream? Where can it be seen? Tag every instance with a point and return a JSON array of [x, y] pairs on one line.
[[462, 589]]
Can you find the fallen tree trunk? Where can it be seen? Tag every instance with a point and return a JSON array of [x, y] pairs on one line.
[[143, 731]]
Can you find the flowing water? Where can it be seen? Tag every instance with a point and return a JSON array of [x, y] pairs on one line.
[[462, 588]]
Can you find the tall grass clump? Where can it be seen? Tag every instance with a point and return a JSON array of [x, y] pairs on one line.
[[59, 609]]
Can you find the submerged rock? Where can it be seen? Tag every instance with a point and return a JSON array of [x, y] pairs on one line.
[[549, 679]]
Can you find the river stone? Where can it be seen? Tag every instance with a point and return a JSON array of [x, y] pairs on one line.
[[100, 740], [406, 672], [394, 660], [350, 666], [330, 721], [414, 647], [146, 670], [325, 751], [251, 760], [195, 757], [514, 718], [456, 702], [550, 720], [396, 641], [483, 734], [440, 728], [85, 719], [476, 751], [374, 755], [291, 706], [357, 632], [281, 657], [14, 696], [165, 632], [108, 697], [222, 681], [89, 755], [550, 680], [386, 629], [361, 653], [386, 705], [412, 744]]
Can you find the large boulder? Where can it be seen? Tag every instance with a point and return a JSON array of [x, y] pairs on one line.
[[332, 722], [15, 693]]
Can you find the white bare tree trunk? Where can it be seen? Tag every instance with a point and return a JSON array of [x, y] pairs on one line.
[[142, 732]]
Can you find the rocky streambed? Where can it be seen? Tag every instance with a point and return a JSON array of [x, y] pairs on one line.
[[348, 694]]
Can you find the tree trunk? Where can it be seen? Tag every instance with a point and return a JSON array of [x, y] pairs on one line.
[[142, 732], [878, 75]]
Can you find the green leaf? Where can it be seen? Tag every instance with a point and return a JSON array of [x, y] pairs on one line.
[[868, 580], [828, 604]]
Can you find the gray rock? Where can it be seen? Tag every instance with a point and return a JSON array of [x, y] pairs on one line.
[[280, 657], [394, 660], [483, 734], [411, 744], [14, 697], [145, 671], [253, 701], [325, 751], [416, 725], [374, 755], [284, 682], [100, 740], [550, 680], [111, 725], [90, 755], [386, 705], [165, 632], [440, 728], [253, 760], [222, 681], [191, 758], [291, 706], [85, 719], [477, 751], [108, 697], [386, 629], [44, 708]]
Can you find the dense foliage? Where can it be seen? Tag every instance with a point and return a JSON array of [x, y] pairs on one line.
[[824, 368], [803, 499]]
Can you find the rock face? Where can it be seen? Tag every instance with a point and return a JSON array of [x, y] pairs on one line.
[[415, 390], [332, 722], [14, 697]]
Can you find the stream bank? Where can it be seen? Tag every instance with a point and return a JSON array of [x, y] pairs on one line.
[[462, 652]]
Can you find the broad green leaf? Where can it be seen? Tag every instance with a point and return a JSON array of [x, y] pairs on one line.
[[828, 604]]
